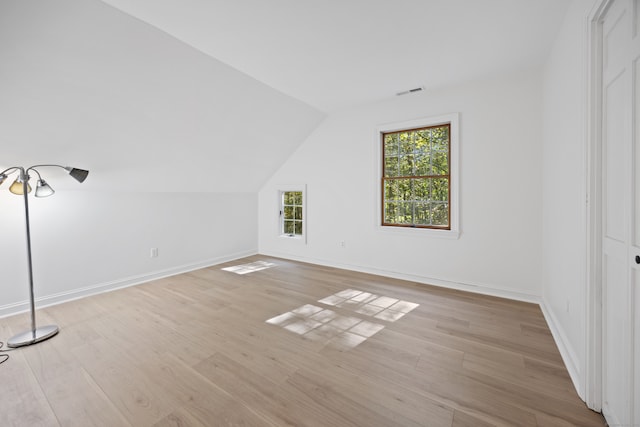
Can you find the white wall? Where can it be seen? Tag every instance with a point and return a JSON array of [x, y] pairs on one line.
[[178, 144], [91, 241], [564, 190], [499, 249]]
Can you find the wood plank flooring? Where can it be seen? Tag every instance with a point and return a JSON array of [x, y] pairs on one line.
[[289, 345]]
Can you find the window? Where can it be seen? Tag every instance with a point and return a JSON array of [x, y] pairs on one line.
[[291, 213], [416, 178], [419, 176]]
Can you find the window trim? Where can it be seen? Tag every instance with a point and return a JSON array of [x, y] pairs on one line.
[[454, 175], [281, 190]]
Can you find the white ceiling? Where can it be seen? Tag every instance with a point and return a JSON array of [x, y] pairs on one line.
[[82, 83], [335, 53]]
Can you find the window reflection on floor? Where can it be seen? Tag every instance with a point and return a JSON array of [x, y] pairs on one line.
[[249, 268], [377, 306], [343, 331]]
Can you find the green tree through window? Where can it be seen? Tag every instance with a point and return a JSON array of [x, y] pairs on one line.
[[416, 177], [292, 213]]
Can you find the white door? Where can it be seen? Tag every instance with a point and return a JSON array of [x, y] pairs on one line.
[[620, 225]]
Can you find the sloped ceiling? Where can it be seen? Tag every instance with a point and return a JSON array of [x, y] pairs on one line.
[[335, 53], [85, 84], [213, 95]]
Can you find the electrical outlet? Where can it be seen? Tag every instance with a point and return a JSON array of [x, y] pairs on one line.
[[154, 252], [343, 244]]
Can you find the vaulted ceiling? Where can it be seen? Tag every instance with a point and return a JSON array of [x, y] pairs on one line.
[[85, 84], [214, 95], [336, 53]]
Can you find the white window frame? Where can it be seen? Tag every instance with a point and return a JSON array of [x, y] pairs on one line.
[[453, 119], [281, 190]]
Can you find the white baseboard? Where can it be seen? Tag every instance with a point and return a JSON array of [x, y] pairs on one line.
[[443, 283], [48, 300], [569, 356]]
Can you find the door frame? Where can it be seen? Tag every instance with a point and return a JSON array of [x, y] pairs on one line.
[[594, 314]]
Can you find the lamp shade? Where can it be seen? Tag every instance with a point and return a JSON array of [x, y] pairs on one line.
[[17, 187], [78, 174], [43, 189]]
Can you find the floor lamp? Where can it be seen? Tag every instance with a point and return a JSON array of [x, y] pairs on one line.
[[21, 187]]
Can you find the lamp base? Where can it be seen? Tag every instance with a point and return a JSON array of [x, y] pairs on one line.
[[32, 336]]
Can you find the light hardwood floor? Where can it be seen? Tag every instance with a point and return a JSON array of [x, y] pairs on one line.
[[216, 348]]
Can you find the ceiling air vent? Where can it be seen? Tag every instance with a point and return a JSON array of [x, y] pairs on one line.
[[414, 90]]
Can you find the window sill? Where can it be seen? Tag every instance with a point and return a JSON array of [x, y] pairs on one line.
[[293, 237], [420, 232]]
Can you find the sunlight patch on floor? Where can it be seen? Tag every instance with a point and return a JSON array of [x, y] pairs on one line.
[[321, 324], [249, 268], [326, 325], [377, 306]]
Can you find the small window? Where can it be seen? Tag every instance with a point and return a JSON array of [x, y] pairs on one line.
[[418, 184], [292, 213]]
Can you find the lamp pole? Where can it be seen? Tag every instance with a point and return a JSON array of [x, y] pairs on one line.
[[42, 333], [51, 330]]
